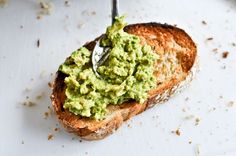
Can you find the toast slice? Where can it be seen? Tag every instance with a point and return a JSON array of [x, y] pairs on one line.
[[174, 71]]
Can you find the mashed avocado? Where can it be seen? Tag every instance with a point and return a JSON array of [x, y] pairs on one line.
[[127, 74]]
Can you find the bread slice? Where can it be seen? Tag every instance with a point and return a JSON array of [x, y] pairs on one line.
[[174, 71]]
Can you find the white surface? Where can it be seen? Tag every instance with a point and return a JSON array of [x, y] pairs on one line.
[[21, 60]]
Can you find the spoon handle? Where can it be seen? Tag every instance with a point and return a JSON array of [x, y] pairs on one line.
[[114, 10]]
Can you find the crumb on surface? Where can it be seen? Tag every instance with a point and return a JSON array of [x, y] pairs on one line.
[[46, 115], [212, 109], [22, 142], [197, 120], [177, 132], [129, 125], [50, 84], [230, 104], [29, 103], [50, 137], [190, 142], [67, 3], [225, 54], [186, 99], [80, 140], [3, 3], [46, 8], [188, 117], [38, 43], [80, 25], [215, 50], [21, 26], [56, 129], [27, 89], [40, 96], [197, 150], [42, 74], [204, 22], [234, 44], [88, 13], [209, 39]]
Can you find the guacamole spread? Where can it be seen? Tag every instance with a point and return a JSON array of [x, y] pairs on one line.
[[126, 75]]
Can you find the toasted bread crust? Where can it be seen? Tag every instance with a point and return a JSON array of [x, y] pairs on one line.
[[162, 38]]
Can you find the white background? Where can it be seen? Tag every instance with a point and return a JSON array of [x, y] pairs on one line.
[[24, 131]]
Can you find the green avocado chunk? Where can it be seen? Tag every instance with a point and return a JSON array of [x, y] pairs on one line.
[[126, 75]]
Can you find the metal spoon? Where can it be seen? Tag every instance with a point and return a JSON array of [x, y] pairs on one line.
[[100, 54]]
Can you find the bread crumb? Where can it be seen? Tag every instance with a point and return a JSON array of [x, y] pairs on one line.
[[197, 120], [189, 117], [225, 54], [177, 132], [220, 97], [3, 3], [46, 115], [39, 17], [22, 142], [215, 50], [27, 89], [50, 84], [21, 26], [234, 44], [80, 25], [50, 137], [80, 140], [38, 97], [204, 22], [46, 8], [29, 104], [209, 39], [186, 99], [42, 74], [230, 104], [56, 129], [212, 109], [190, 142], [129, 125], [38, 43], [88, 13], [67, 3], [197, 150]]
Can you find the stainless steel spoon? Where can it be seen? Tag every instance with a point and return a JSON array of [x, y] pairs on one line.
[[100, 54]]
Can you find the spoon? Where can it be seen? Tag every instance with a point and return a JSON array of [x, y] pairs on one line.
[[100, 54]]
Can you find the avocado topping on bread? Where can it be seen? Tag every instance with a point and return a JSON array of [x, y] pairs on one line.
[[126, 75], [174, 69]]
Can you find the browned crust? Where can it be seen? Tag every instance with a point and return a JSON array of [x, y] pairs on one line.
[[91, 129]]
